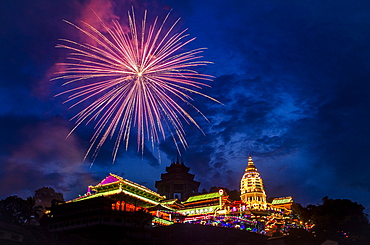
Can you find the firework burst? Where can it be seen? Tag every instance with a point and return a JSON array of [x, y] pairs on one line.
[[132, 80]]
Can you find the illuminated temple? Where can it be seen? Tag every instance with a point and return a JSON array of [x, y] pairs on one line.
[[118, 202], [251, 188]]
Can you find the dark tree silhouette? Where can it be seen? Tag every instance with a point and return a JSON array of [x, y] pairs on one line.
[[234, 195], [33, 210], [13, 210], [45, 195], [304, 213], [337, 219], [217, 188]]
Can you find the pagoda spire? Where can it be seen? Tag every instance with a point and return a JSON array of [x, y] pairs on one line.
[[178, 159], [250, 167], [252, 188]]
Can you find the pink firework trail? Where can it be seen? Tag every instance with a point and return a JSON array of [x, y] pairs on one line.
[[132, 80]]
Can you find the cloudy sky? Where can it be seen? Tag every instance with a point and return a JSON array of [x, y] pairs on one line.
[[293, 78]]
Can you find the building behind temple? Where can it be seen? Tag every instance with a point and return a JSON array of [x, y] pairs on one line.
[[177, 183]]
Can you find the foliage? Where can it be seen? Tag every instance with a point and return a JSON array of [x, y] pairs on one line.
[[45, 195], [304, 213], [301, 237], [33, 210], [234, 195], [13, 209], [16, 210], [217, 188], [337, 219]]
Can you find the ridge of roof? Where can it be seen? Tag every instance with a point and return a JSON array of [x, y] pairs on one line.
[[203, 197]]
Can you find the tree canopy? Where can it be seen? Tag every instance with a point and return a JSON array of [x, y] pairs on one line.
[[13, 209], [45, 195], [16, 210], [338, 219]]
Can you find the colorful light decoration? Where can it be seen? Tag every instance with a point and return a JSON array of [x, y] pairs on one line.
[[133, 80], [206, 209]]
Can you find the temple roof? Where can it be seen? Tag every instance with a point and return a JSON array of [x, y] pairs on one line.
[[177, 171], [282, 200], [161, 208], [170, 201], [177, 167], [203, 197], [114, 184], [112, 178]]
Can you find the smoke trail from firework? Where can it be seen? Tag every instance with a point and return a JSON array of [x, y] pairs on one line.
[[132, 80]]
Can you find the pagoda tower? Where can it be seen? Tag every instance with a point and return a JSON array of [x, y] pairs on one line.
[[252, 189], [177, 182]]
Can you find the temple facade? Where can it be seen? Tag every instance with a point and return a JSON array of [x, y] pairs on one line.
[[177, 183], [118, 202], [214, 203], [252, 191], [114, 202]]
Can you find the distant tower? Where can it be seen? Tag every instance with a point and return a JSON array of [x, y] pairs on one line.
[[251, 188], [177, 182]]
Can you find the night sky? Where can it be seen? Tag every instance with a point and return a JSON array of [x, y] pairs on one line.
[[293, 77]]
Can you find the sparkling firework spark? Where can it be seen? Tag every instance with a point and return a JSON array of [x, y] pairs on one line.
[[132, 80]]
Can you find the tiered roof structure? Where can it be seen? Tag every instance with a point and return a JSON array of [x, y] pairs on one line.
[[118, 188], [177, 182], [115, 201], [252, 188]]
